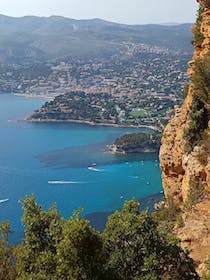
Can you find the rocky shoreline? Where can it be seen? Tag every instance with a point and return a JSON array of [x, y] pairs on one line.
[[134, 143], [119, 150], [34, 96], [91, 123]]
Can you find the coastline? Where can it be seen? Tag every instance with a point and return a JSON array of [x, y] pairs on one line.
[[116, 150], [25, 95], [154, 128], [91, 123]]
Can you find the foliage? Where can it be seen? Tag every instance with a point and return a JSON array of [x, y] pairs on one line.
[[206, 277], [80, 254], [198, 123], [201, 99], [7, 259], [130, 248], [168, 216], [43, 231], [198, 113], [198, 36], [201, 79], [139, 140], [136, 249]]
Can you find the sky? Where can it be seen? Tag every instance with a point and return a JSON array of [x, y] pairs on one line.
[[121, 11]]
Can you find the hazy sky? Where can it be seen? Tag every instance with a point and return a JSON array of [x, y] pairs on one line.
[[123, 11]]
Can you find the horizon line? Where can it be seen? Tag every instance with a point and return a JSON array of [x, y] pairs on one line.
[[96, 18]]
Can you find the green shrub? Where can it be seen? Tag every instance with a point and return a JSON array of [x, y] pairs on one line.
[[198, 123], [201, 80], [198, 113], [7, 258], [168, 216], [131, 247], [198, 36], [136, 249]]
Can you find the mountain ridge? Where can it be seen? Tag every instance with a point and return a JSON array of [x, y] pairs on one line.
[[32, 39]]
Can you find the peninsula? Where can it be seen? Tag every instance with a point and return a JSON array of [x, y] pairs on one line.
[[100, 109], [137, 143]]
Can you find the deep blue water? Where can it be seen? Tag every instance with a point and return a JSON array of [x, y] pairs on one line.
[[52, 160]]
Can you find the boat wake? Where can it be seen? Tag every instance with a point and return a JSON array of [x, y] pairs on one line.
[[65, 182], [4, 200], [95, 169]]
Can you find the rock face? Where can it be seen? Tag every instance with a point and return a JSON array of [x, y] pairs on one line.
[[195, 234], [186, 176]]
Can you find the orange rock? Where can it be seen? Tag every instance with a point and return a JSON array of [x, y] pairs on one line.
[[195, 234], [184, 174]]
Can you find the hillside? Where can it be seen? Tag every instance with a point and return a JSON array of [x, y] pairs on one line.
[[185, 150], [33, 39], [137, 143]]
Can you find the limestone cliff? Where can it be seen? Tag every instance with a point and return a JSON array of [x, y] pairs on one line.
[[186, 174]]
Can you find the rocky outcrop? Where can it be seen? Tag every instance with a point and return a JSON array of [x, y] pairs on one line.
[[195, 234], [137, 143], [186, 176], [127, 149]]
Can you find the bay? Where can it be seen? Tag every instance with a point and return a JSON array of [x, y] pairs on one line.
[[66, 164]]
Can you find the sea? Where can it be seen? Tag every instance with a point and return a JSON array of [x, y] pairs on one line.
[[68, 164]]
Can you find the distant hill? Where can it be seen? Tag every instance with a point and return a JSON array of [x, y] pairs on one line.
[[30, 38]]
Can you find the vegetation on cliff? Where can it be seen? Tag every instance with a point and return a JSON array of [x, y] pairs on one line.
[[130, 248], [196, 29], [200, 79], [185, 150], [138, 142], [198, 111]]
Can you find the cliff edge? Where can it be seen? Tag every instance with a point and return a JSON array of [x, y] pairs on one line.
[[185, 148]]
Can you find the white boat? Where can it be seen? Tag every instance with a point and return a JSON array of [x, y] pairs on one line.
[[4, 200], [91, 168], [62, 182]]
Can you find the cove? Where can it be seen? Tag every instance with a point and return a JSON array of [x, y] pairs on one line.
[[67, 164]]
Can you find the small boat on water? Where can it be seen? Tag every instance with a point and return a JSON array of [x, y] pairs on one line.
[[4, 200], [62, 182], [91, 168]]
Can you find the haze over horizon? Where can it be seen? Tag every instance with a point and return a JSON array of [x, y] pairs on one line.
[[119, 11]]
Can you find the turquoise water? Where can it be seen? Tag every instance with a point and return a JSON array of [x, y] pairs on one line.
[[67, 164]]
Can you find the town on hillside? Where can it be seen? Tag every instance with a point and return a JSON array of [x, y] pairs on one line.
[[147, 79]]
